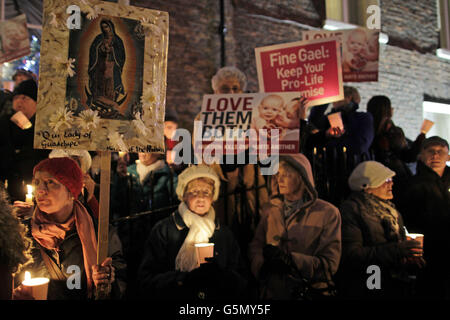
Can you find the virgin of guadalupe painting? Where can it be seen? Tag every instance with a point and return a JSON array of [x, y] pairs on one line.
[[108, 73], [106, 60], [103, 74]]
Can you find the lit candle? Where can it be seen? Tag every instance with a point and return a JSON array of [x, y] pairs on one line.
[[29, 195], [36, 287]]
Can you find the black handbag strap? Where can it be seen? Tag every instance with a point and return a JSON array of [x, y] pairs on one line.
[[53, 269]]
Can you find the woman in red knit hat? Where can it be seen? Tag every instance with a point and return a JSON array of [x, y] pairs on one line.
[[65, 241]]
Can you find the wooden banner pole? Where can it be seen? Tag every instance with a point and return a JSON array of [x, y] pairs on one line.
[[102, 292]]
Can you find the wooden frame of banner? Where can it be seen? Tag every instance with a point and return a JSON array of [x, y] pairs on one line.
[[103, 291]]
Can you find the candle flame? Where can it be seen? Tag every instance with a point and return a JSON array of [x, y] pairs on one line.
[[29, 189], [27, 275]]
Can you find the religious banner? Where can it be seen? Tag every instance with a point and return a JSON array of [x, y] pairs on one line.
[[267, 122], [360, 52], [14, 39], [102, 79], [311, 68]]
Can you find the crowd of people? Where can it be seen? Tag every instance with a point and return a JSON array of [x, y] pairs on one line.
[[275, 237]]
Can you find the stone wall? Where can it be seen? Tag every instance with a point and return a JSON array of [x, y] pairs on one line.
[[408, 66]]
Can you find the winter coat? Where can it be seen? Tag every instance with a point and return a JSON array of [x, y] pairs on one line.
[[243, 193], [157, 190], [358, 135], [157, 274], [392, 149], [311, 235], [71, 254], [426, 209], [368, 239]]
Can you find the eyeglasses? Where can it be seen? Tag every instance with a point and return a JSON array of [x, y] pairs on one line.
[[200, 193], [440, 153], [388, 180], [227, 89]]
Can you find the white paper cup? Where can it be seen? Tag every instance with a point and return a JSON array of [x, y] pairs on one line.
[[204, 250], [37, 287], [21, 120], [417, 237], [336, 120], [426, 126]]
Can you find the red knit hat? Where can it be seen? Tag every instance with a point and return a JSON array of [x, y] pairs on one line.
[[66, 171]]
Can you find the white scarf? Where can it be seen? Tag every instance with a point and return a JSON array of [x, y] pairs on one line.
[[201, 228], [143, 171]]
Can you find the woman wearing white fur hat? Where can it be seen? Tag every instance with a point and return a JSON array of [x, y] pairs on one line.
[[373, 235], [170, 267]]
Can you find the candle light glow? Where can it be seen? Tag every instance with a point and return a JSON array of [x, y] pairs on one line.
[[29, 195]]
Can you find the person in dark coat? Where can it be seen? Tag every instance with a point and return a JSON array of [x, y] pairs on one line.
[[373, 236], [357, 135], [170, 268], [16, 145], [426, 209], [390, 146], [64, 238]]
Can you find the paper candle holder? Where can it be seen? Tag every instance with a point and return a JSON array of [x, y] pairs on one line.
[[36, 287], [204, 250]]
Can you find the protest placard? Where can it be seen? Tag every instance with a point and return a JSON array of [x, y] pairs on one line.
[[102, 82], [234, 121], [360, 51], [14, 39], [310, 68]]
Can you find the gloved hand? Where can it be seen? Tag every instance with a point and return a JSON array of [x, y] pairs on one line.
[[415, 262], [276, 260], [204, 273], [410, 248], [204, 282]]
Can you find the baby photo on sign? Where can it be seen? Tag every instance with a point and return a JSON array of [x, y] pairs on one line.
[[273, 112], [109, 55], [361, 50]]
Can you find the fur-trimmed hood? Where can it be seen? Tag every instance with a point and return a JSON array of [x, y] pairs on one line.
[[15, 246]]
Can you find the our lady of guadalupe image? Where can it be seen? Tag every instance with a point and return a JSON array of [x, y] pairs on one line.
[[106, 60], [109, 71]]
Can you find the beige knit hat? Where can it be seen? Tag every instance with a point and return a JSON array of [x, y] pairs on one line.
[[369, 174], [195, 172]]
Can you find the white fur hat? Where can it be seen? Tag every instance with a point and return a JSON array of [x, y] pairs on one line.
[[85, 157], [195, 172], [369, 174]]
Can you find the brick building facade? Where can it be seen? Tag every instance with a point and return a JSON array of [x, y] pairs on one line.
[[408, 68]]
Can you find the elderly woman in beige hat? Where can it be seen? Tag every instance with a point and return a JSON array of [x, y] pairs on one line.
[[170, 267], [377, 260]]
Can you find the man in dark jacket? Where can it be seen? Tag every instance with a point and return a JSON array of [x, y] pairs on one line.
[[16, 143], [425, 206]]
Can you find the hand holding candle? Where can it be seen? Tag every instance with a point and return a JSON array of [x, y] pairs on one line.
[[32, 288], [426, 126]]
